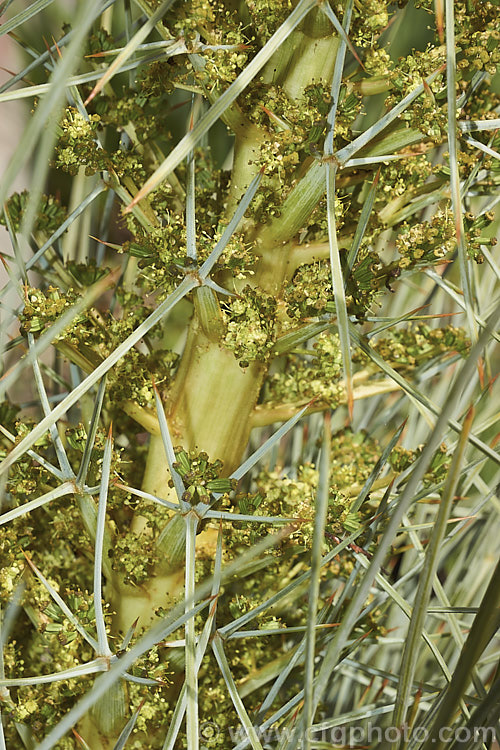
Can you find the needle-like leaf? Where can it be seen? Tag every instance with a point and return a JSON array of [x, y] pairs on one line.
[[192, 721], [233, 692], [423, 594], [169, 449], [317, 551], [128, 728], [20, 18], [102, 637], [67, 488]]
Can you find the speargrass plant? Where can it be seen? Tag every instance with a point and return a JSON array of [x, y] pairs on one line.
[[249, 408]]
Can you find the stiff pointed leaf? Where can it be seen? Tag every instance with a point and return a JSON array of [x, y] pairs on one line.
[[102, 637], [424, 591], [361, 226], [128, 728], [295, 338], [92, 667], [338, 281], [475, 125], [21, 266], [92, 432], [225, 669], [180, 705], [23, 16], [148, 496], [265, 447], [169, 449], [190, 196], [220, 515], [366, 161], [64, 489], [341, 28], [379, 466], [191, 668], [44, 401], [338, 287], [482, 147], [314, 585], [337, 71], [128, 635], [456, 197]]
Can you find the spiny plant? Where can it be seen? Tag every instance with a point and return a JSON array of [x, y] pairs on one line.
[[248, 416]]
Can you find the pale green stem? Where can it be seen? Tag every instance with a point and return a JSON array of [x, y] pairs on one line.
[[212, 399], [314, 584], [192, 734]]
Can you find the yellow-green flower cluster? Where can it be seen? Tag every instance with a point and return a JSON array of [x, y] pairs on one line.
[[412, 69], [267, 16], [133, 557], [42, 309], [315, 373], [26, 470], [434, 240], [401, 458], [90, 338], [398, 180], [353, 456], [77, 145], [250, 325], [409, 347], [427, 242], [131, 377], [368, 20], [310, 292]]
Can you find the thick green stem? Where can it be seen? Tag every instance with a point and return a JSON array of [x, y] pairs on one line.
[[210, 411], [247, 146], [212, 399], [307, 56]]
